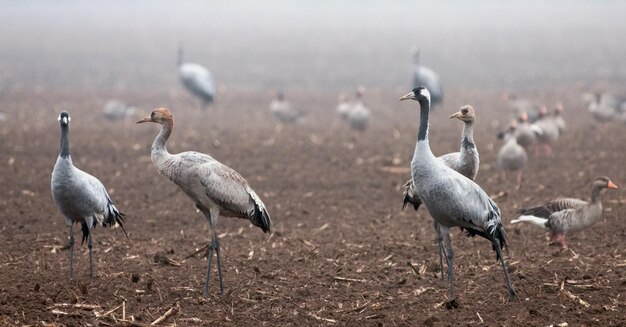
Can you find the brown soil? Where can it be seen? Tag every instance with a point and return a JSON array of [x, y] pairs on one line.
[[341, 246], [342, 251]]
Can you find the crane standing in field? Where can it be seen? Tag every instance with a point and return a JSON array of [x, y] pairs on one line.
[[80, 197], [196, 79], [466, 162], [213, 187], [451, 198], [425, 76]]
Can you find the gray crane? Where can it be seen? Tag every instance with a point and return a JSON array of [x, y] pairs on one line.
[[80, 197], [215, 188], [466, 162], [425, 76], [453, 199], [196, 79]]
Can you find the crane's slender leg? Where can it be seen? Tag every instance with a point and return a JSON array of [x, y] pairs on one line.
[[212, 217], [90, 246], [442, 251], [507, 280], [71, 243], [450, 261]]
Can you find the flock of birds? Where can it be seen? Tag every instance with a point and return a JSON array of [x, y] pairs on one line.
[[522, 135], [444, 185]]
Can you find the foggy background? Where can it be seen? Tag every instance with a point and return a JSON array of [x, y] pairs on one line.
[[115, 46]]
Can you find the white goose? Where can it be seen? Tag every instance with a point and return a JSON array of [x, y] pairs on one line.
[[451, 198], [466, 162], [80, 197], [213, 187], [196, 79]]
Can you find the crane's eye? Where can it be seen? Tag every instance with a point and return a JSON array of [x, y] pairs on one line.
[[152, 115], [464, 111]]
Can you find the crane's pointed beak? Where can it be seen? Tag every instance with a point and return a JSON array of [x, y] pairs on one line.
[[144, 120], [611, 185], [456, 115], [407, 96]]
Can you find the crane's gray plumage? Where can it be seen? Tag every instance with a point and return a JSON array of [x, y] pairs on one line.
[[80, 197], [115, 110], [567, 214], [425, 76], [196, 79], [466, 162], [451, 198], [215, 188]]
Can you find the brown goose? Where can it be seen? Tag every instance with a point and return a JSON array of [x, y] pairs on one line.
[[558, 117], [512, 157], [549, 131], [526, 133], [567, 214]]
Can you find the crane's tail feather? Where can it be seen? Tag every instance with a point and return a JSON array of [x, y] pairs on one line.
[[409, 198], [500, 235], [541, 222], [114, 217], [261, 218], [497, 233]]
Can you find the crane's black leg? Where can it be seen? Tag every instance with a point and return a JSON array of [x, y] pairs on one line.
[[450, 262], [219, 266], [208, 273], [507, 280], [442, 251], [90, 246], [215, 245], [71, 244]]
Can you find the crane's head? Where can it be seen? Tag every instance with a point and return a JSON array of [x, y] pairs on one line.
[[419, 93], [64, 118], [466, 114], [159, 116]]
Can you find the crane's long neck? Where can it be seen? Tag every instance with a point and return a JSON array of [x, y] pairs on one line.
[[159, 148], [422, 148], [467, 141], [416, 60], [65, 142], [179, 57]]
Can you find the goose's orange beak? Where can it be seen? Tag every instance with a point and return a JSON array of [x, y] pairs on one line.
[[144, 120], [611, 185]]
